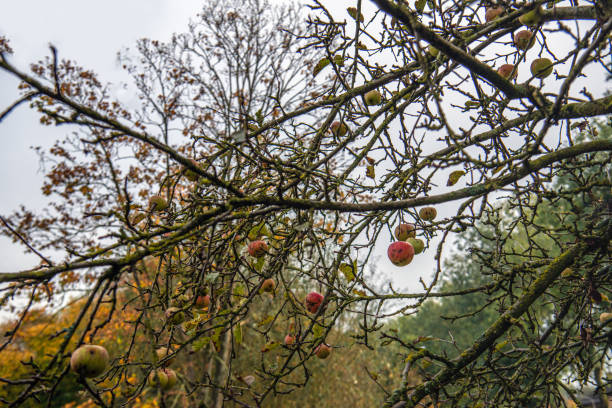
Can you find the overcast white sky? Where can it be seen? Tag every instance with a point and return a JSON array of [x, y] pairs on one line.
[[92, 33]]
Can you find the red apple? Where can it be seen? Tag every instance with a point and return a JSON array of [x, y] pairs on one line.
[[506, 71], [172, 378], [258, 248], [400, 253], [289, 340], [89, 360], [313, 301], [524, 40], [202, 301], [405, 231]]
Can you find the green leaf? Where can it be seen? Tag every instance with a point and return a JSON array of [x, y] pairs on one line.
[[270, 346], [258, 266], [419, 5], [454, 177], [258, 231], [318, 331], [339, 60], [216, 338], [370, 172], [352, 11], [211, 277], [238, 334], [320, 65], [200, 343], [266, 320], [239, 290], [259, 117], [348, 271]]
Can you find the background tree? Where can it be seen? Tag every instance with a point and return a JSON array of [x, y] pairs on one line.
[[297, 191]]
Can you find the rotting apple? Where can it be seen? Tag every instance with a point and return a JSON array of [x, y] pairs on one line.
[[89, 360], [541, 68], [524, 40], [507, 71], [373, 97], [339, 128], [322, 351], [313, 301], [428, 213], [493, 12], [400, 253], [202, 301], [268, 285], [258, 248]]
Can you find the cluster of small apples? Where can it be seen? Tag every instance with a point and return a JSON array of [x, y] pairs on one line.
[[402, 251], [258, 249], [163, 377], [91, 361], [313, 302], [371, 98], [523, 40]]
